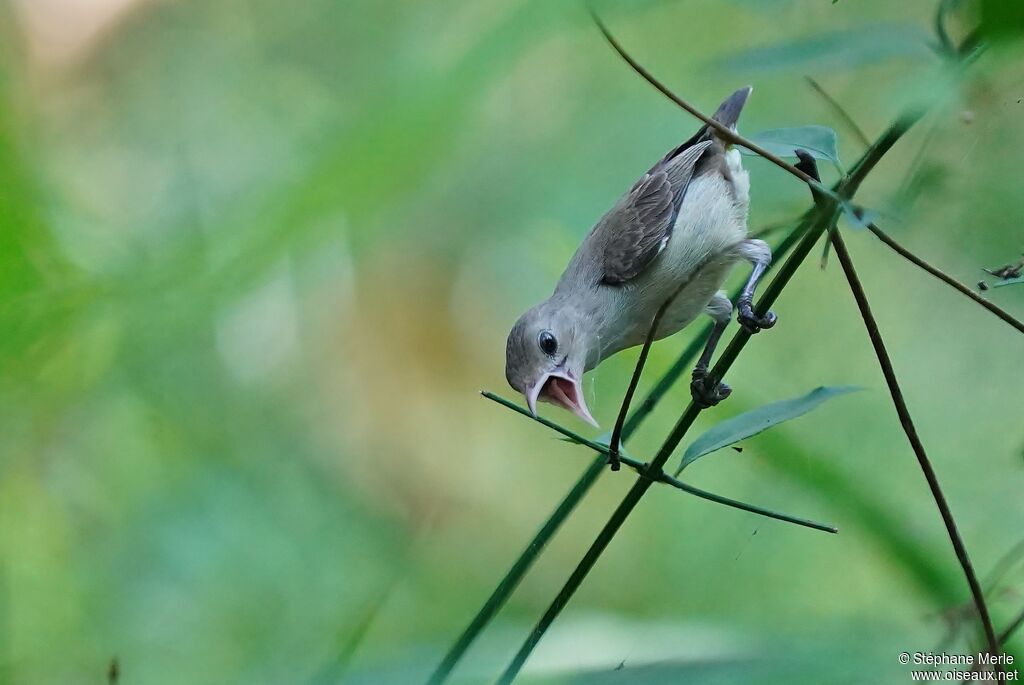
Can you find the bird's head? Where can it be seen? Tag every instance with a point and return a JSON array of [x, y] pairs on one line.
[[545, 358]]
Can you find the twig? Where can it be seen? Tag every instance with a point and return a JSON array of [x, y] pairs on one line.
[[885, 238], [620, 420], [682, 363], [912, 437], [962, 288], [640, 467], [724, 132], [875, 334], [839, 110]]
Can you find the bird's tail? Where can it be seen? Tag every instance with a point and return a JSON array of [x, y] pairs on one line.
[[728, 112]]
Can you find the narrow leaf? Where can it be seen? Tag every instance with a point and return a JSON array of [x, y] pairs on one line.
[[757, 420], [820, 141]]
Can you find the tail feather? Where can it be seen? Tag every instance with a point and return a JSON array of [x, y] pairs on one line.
[[728, 112]]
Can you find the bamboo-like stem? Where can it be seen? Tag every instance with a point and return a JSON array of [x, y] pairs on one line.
[[820, 220], [961, 288], [914, 439], [640, 467]]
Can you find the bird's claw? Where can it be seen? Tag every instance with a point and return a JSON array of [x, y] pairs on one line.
[[751, 322], [704, 396]]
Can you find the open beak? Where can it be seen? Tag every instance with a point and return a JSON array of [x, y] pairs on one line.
[[558, 387]]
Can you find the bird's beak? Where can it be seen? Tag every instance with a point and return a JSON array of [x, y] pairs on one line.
[[559, 387]]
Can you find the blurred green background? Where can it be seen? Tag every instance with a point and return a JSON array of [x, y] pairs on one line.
[[257, 258]]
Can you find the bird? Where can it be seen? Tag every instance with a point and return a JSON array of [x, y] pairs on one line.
[[673, 237]]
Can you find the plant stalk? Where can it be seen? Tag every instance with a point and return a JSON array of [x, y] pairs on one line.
[[871, 324]]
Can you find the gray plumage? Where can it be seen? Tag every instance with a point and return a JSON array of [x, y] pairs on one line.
[[683, 223]]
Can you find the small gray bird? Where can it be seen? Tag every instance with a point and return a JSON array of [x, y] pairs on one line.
[[678, 230]]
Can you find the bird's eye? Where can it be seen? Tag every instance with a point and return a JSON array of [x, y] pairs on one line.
[[547, 342]]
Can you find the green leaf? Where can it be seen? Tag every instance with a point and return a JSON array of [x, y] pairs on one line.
[[1008, 281], [749, 424], [820, 141], [837, 49]]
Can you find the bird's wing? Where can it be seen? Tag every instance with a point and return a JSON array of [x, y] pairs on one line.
[[639, 226]]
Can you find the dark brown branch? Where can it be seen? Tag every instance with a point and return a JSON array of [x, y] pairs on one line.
[[912, 437], [620, 421], [896, 247], [724, 132], [962, 288], [627, 399], [903, 412]]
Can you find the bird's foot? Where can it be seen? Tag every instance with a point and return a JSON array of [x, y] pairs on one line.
[[750, 321], [703, 395]]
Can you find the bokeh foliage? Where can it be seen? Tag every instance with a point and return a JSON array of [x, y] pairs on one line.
[[256, 258]]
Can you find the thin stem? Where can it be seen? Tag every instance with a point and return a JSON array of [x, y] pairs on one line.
[[518, 570], [579, 573], [679, 367], [839, 110], [724, 132], [673, 373], [638, 370], [819, 220], [736, 504], [614, 443], [912, 437], [682, 363], [962, 288], [640, 467]]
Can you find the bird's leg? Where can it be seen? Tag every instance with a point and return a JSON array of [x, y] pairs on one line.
[[759, 255], [720, 309]]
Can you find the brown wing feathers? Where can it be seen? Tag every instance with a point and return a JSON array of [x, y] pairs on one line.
[[640, 225]]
